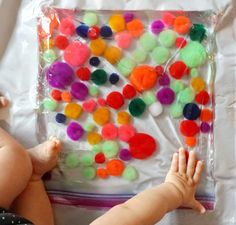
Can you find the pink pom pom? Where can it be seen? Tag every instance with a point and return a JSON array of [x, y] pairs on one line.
[[126, 132], [67, 27], [123, 39]]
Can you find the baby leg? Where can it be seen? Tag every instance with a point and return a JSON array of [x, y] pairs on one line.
[[15, 169], [33, 202]]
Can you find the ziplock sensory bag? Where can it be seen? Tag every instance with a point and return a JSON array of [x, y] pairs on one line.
[[124, 90]]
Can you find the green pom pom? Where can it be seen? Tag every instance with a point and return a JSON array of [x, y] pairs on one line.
[[194, 72], [139, 56], [167, 38], [90, 19], [49, 104], [130, 173], [87, 159], [137, 107], [186, 96], [72, 160], [97, 148], [149, 97], [197, 32], [148, 41], [88, 127], [193, 54], [177, 86], [89, 173], [99, 77], [93, 91], [49, 56], [125, 66], [160, 54], [176, 110], [110, 149]]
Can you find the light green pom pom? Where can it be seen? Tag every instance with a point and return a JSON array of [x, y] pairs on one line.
[[186, 96], [97, 148], [130, 173], [110, 149], [148, 41], [93, 91], [193, 54], [88, 127], [126, 66], [89, 173], [49, 56], [90, 19], [149, 97], [87, 159], [72, 160], [49, 104], [167, 38], [177, 86], [160, 54], [176, 110], [139, 55], [194, 72]]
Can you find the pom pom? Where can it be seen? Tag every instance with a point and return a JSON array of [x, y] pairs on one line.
[[130, 173], [101, 116], [191, 111], [110, 149], [83, 73], [114, 78], [167, 38], [99, 77], [49, 104], [89, 105], [115, 167], [123, 117], [123, 39], [106, 31], [178, 69], [182, 24], [76, 53], [67, 27], [72, 160], [73, 110], [109, 131], [90, 19], [126, 132], [60, 118], [97, 46], [189, 128], [56, 95], [75, 131], [89, 173], [61, 42], [137, 107], [166, 96], [79, 91], [155, 109], [202, 98], [157, 26], [82, 30], [197, 32], [129, 91], [94, 61], [142, 146], [125, 155], [117, 22], [125, 66], [135, 28], [112, 54], [94, 138], [160, 54], [115, 100], [148, 42]]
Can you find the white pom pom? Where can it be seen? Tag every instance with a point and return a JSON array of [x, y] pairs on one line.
[[156, 109]]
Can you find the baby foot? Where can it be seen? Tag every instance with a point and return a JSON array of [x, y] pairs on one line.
[[3, 101], [44, 157]]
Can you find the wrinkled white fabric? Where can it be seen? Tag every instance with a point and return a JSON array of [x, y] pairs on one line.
[[18, 72]]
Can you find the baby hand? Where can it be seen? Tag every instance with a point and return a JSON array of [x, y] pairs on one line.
[[185, 175], [3, 102]]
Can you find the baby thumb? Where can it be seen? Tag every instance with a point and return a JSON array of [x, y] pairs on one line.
[[198, 207]]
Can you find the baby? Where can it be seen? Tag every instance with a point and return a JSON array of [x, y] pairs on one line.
[[22, 193]]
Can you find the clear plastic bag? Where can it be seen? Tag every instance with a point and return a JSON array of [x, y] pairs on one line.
[[69, 185]]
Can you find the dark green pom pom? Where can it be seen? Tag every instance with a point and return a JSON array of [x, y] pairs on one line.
[[99, 77], [197, 32], [137, 107]]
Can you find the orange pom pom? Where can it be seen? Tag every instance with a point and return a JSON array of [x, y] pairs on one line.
[[66, 96], [143, 77], [191, 141], [115, 167], [206, 115], [101, 116], [97, 46], [135, 28], [182, 24], [102, 173]]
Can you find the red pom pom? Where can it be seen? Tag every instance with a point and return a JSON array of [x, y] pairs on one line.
[[142, 146], [129, 91], [93, 32], [189, 128], [180, 42], [115, 100], [61, 42], [202, 98], [100, 158], [56, 95], [83, 73], [178, 69], [159, 70]]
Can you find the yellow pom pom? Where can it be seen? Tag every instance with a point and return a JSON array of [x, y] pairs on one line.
[[94, 138], [112, 54], [123, 117], [101, 116], [73, 110], [117, 22], [198, 84], [97, 46]]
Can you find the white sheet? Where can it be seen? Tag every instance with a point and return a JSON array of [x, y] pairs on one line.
[[18, 71]]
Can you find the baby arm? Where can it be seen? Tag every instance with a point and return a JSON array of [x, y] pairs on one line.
[[150, 206]]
